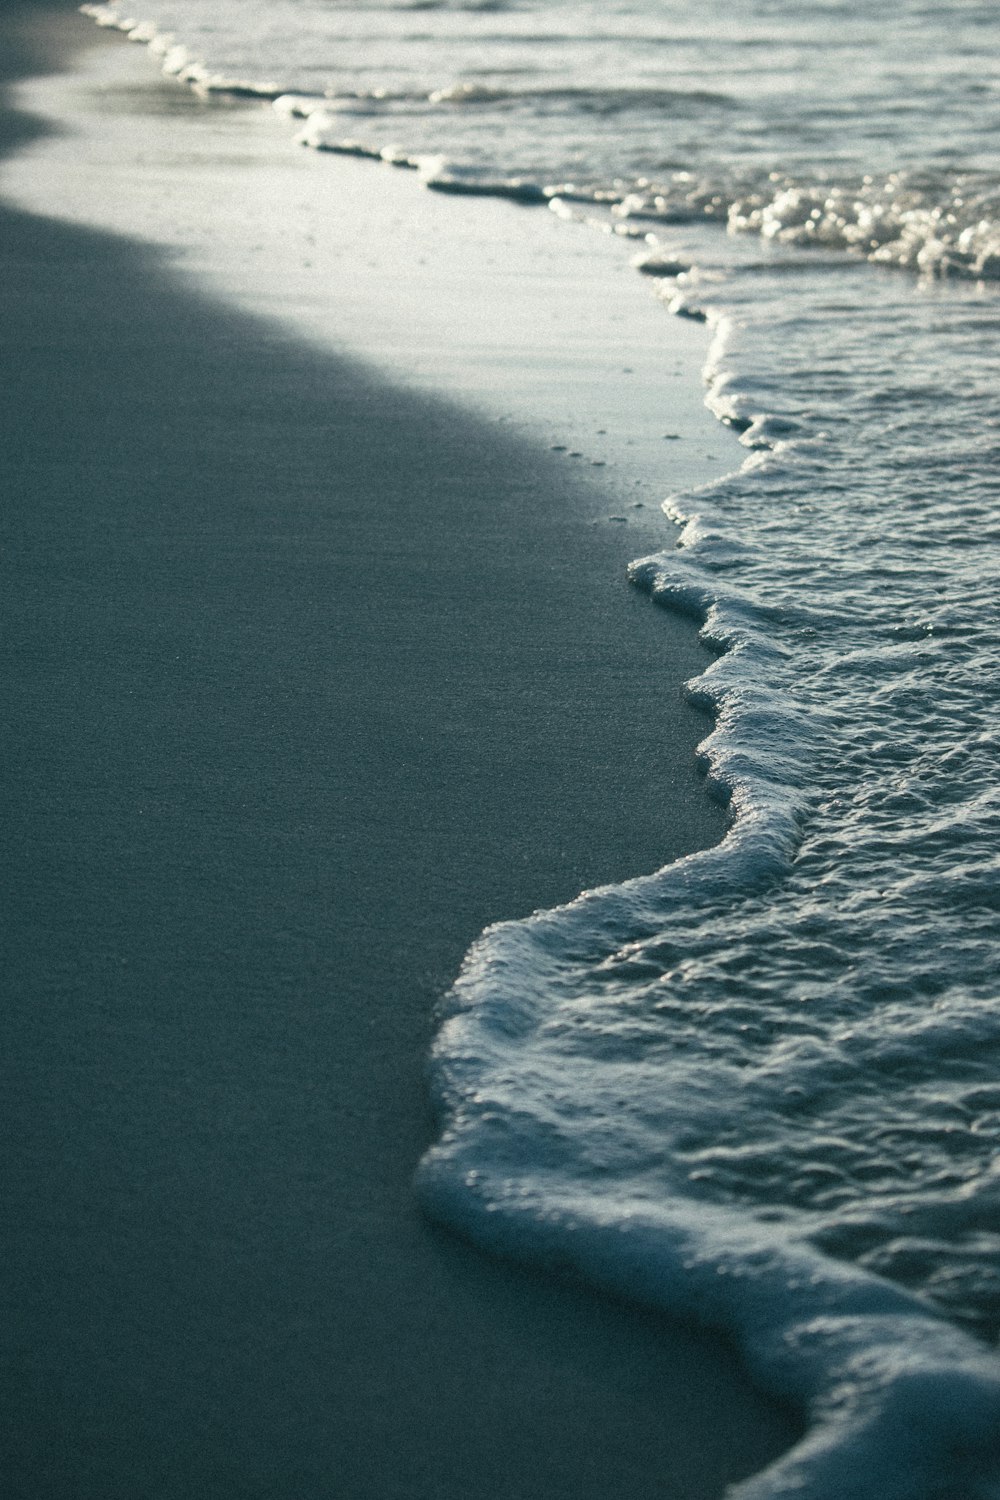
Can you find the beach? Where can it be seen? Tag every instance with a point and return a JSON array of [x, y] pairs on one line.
[[310, 676]]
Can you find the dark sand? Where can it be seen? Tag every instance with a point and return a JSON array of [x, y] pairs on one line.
[[305, 681]]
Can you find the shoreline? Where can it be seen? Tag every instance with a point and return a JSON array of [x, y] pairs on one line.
[[280, 746], [514, 314]]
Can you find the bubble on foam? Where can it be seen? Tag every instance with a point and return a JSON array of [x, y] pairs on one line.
[[661, 260], [444, 176], [464, 93], [297, 106], [107, 15], [323, 131]]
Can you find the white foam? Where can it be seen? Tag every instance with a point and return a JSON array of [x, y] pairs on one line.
[[463, 93], [297, 106], [660, 260], [901, 1405], [323, 131]]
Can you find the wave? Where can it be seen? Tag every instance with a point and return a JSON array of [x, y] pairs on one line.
[[739, 1097], [901, 1406], [945, 225], [757, 1089], [582, 1068], [932, 221], [595, 99]]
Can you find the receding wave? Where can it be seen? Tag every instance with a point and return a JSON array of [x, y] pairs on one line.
[[934, 221], [592, 100]]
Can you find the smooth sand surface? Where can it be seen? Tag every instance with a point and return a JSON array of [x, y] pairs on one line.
[[306, 679]]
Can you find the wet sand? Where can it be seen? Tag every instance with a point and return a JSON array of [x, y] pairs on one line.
[[307, 678]]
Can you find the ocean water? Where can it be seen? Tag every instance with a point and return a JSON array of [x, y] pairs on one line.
[[760, 1088]]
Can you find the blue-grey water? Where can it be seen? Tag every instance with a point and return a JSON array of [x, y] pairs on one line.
[[762, 1087]]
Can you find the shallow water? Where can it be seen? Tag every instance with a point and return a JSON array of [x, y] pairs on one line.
[[817, 122], [761, 1088]]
